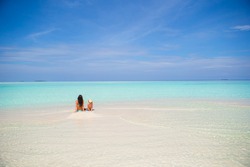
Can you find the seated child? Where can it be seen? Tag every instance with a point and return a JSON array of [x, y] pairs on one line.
[[90, 105]]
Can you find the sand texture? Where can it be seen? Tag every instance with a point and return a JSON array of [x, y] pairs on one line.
[[186, 133]]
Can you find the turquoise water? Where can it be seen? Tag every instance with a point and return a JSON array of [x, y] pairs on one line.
[[65, 93]]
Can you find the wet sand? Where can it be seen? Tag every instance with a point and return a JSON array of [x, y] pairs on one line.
[[172, 133]]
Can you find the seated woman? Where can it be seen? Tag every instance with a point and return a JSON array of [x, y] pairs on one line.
[[79, 104], [90, 105]]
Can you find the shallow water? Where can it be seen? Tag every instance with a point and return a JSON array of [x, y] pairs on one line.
[[65, 93], [170, 130]]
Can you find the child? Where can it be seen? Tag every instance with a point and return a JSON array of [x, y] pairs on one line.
[[90, 105]]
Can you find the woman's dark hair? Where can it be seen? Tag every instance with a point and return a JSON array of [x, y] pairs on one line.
[[80, 100]]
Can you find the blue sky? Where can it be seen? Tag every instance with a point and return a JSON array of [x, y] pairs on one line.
[[89, 40]]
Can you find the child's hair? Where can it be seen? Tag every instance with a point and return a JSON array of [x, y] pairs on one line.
[[80, 100]]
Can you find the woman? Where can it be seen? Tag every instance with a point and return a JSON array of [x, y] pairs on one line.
[[79, 103]]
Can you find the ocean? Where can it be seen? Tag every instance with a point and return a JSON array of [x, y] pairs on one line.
[[26, 94]]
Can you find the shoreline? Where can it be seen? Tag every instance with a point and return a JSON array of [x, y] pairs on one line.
[[153, 101]]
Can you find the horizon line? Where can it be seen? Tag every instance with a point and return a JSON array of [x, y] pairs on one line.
[[37, 81]]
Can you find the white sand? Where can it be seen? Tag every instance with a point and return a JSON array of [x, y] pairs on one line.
[[186, 133]]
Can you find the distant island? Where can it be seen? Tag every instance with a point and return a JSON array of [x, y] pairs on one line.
[[39, 81]]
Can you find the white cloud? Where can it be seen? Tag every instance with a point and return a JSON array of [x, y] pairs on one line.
[[242, 27], [147, 22], [69, 53], [36, 35], [95, 63], [122, 58]]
